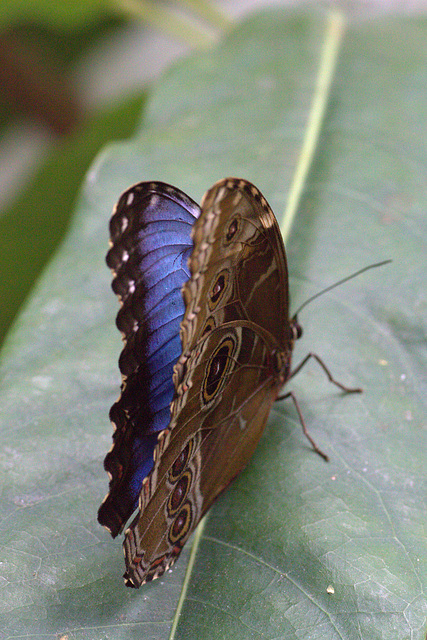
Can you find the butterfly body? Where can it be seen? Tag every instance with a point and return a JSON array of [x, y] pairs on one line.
[[236, 342]]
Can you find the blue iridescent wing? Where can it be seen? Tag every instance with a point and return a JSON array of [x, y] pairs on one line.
[[150, 245]]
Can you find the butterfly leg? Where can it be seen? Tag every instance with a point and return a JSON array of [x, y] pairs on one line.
[[290, 394], [326, 370]]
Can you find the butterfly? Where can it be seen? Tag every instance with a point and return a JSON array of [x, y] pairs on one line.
[[207, 350]]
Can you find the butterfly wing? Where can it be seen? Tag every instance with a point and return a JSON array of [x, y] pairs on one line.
[[218, 415], [238, 265], [150, 246], [227, 377]]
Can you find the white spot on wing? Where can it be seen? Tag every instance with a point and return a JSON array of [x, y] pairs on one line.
[[237, 199], [130, 198], [242, 422], [267, 220]]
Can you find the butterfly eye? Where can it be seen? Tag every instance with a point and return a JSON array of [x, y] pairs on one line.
[[180, 462], [232, 230], [218, 369], [180, 492], [218, 288], [296, 329], [181, 526]]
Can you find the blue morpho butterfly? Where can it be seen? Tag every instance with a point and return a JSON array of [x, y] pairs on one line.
[[207, 348]]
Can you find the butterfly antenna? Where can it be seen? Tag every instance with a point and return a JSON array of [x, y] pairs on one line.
[[337, 284]]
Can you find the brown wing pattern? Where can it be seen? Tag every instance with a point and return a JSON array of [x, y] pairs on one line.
[[218, 417], [238, 265]]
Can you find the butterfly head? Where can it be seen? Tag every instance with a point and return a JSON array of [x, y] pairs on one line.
[[283, 357], [295, 329]]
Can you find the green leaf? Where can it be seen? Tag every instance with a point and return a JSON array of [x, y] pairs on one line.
[[66, 14], [296, 548], [79, 15]]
